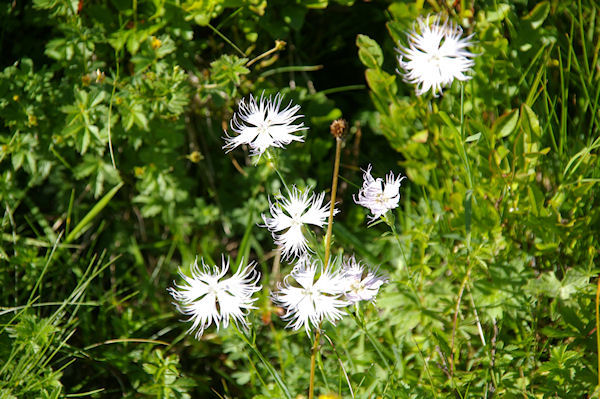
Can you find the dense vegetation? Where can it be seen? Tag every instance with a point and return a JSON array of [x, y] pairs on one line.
[[112, 176]]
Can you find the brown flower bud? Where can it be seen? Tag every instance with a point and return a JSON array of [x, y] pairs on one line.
[[338, 127]]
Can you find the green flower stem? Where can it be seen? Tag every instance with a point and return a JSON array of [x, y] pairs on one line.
[[334, 183], [313, 357], [392, 226], [598, 326], [265, 363], [110, 106], [222, 36], [279, 45], [455, 319], [272, 162], [360, 322]]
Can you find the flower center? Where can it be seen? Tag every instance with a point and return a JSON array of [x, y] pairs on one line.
[[296, 219], [356, 286], [436, 59], [262, 128], [212, 290], [380, 199]]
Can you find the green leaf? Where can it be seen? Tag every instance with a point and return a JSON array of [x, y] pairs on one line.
[[369, 52], [227, 71], [382, 83], [473, 137], [506, 124], [100, 96], [538, 15], [531, 123], [100, 205], [500, 12], [119, 38]]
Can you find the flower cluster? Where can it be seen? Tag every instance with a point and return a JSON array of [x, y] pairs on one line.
[[312, 293], [308, 300], [379, 196], [436, 55]]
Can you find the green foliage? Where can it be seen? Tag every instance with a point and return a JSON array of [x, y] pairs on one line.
[[112, 176]]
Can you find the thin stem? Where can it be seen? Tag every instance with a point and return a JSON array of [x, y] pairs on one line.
[[334, 183], [293, 68], [222, 36], [279, 45], [463, 138], [392, 226], [598, 327], [276, 272], [110, 106], [272, 162], [455, 319], [265, 363], [479, 328], [278, 346], [341, 364], [425, 366], [336, 169], [134, 7], [358, 318], [313, 357]]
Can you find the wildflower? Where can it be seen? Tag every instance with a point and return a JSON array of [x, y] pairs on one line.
[[377, 196], [289, 215], [435, 56], [308, 302], [206, 298], [261, 124], [361, 283]]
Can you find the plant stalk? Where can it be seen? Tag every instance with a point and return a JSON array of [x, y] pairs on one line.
[[334, 183], [313, 358], [598, 326]]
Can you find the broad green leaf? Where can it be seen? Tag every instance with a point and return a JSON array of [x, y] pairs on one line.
[[538, 15], [369, 51], [382, 83], [506, 124], [500, 12]]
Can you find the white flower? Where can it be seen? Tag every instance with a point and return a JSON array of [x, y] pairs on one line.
[[262, 125], [205, 298], [377, 196], [289, 215], [308, 302], [361, 283], [435, 56]]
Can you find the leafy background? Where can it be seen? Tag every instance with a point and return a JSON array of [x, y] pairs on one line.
[[112, 176]]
